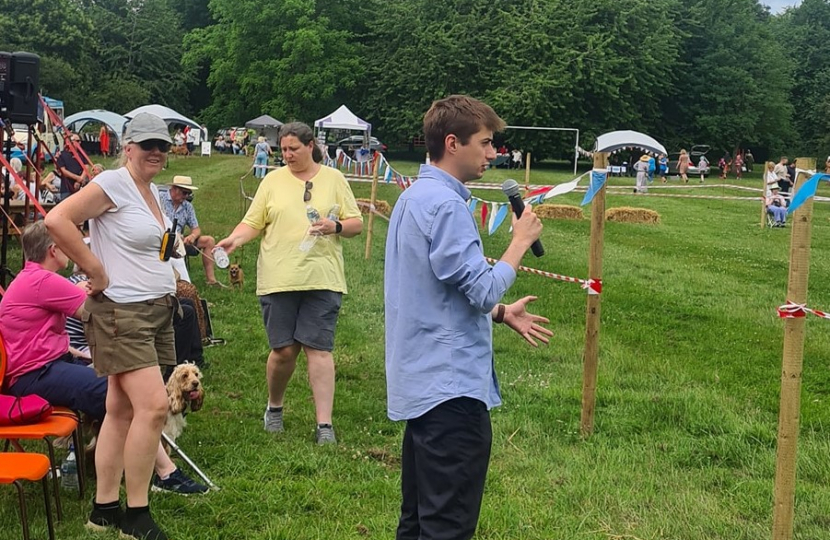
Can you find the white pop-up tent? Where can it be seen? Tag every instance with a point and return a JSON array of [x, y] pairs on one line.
[[343, 118], [165, 113], [114, 121]]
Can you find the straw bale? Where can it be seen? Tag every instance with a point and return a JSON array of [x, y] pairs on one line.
[[558, 211], [627, 214], [380, 205]]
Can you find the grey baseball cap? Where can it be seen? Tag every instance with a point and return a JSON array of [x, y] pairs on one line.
[[145, 127]]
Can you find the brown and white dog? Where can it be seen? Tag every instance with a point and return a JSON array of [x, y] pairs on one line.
[[237, 276], [184, 388]]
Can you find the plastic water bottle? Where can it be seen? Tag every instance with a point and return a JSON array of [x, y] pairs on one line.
[[334, 213], [69, 470], [310, 239], [220, 257]]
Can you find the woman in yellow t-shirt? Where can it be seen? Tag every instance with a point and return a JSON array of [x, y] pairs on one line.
[[302, 210]]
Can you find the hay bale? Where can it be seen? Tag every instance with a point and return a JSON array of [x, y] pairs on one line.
[[558, 211], [626, 214], [380, 205]]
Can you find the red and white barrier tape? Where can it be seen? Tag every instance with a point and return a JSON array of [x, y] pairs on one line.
[[796, 311], [593, 286]]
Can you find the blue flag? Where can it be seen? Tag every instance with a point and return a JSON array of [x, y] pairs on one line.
[[597, 181], [807, 190]]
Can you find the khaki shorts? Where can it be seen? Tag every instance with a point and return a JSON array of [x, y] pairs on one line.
[[127, 337]]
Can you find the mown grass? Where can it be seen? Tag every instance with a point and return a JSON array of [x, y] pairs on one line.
[[687, 403]]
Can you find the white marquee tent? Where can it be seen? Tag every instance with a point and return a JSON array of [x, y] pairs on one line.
[[343, 118], [165, 113]]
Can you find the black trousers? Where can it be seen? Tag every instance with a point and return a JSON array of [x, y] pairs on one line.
[[446, 453], [187, 334]]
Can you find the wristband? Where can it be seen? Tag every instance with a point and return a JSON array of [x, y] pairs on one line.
[[338, 227], [500, 309]]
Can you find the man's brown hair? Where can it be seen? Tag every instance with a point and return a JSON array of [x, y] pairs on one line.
[[458, 115]]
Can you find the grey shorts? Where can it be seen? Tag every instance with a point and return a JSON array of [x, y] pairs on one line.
[[307, 317]]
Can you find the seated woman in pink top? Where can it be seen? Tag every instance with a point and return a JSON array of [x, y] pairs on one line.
[[33, 316]]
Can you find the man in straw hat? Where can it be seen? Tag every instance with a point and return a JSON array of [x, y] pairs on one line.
[[176, 205]]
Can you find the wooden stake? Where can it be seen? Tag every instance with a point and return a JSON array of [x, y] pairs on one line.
[[527, 171], [372, 200], [789, 412], [590, 357]]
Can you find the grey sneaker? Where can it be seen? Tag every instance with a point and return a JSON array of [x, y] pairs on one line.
[[325, 434], [273, 421]]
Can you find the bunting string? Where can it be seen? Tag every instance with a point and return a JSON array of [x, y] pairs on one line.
[[593, 286], [791, 310]]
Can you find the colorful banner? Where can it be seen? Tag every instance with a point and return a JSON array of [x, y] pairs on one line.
[[598, 177]]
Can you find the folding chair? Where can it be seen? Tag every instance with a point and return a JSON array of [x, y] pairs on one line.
[[62, 423], [17, 466]]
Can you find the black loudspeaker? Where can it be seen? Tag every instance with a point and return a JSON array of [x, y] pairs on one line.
[[5, 72], [23, 88]]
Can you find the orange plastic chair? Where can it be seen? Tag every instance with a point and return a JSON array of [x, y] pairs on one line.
[[62, 423], [16, 466]]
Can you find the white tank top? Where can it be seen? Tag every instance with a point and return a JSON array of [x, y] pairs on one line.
[[127, 240]]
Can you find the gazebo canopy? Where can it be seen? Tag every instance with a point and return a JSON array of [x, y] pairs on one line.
[[264, 121], [115, 121], [343, 118], [165, 113], [268, 126], [615, 140]]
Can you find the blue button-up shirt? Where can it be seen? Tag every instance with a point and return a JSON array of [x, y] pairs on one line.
[[185, 213], [439, 292]]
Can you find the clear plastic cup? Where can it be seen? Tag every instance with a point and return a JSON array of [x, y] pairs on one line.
[[221, 258]]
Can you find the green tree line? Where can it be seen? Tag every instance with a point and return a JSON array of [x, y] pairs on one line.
[[726, 73]]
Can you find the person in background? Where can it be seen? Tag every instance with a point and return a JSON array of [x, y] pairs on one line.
[[175, 204], [130, 286], [652, 166], [299, 291], [738, 163], [441, 299], [104, 140], [261, 153], [785, 181], [749, 160], [664, 167], [71, 172], [702, 166], [641, 166], [777, 207], [682, 166], [827, 165]]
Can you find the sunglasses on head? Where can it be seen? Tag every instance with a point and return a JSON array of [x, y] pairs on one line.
[[307, 194], [150, 145]]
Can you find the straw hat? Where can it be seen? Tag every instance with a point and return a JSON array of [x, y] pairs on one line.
[[644, 157], [183, 182]]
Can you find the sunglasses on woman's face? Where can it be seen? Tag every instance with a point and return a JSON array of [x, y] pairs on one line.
[[307, 194], [150, 145]]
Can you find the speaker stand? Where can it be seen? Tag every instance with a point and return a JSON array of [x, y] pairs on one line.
[[5, 133]]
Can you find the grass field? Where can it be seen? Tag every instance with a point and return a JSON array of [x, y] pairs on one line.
[[687, 405]]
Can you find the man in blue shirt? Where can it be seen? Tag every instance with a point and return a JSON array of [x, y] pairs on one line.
[[174, 203], [441, 300]]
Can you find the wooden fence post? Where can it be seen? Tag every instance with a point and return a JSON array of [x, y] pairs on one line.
[[372, 201], [764, 197], [790, 408], [592, 312]]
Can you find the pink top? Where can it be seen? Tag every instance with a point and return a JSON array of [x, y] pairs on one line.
[[33, 317]]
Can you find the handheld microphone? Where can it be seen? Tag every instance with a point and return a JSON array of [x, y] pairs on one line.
[[511, 188]]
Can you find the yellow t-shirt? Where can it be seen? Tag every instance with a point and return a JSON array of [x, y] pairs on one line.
[[279, 211]]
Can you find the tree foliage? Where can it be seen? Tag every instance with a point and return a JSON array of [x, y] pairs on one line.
[[721, 72]]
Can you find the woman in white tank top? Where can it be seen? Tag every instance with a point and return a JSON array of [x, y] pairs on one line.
[[129, 317]]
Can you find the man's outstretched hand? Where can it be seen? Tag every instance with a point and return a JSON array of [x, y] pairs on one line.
[[527, 325]]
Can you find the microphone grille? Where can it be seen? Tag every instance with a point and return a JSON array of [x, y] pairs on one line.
[[510, 187]]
